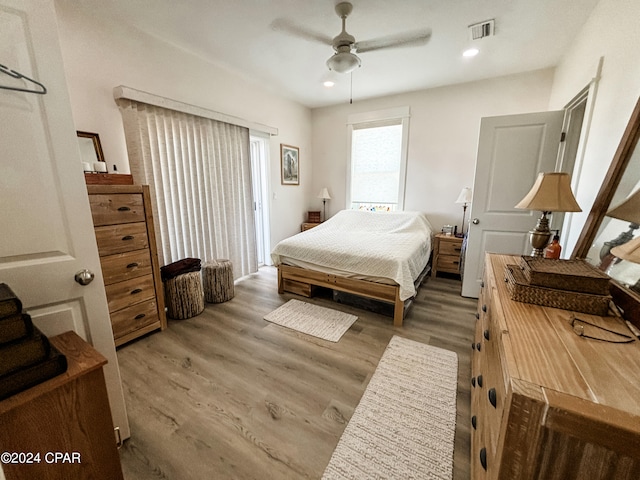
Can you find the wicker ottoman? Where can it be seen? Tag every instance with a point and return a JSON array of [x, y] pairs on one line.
[[184, 296], [217, 276]]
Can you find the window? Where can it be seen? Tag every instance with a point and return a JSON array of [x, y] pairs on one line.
[[377, 159]]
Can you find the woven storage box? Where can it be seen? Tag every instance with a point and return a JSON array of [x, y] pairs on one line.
[[574, 275], [522, 291], [313, 217]]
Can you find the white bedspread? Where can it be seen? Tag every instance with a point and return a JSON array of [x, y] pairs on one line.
[[391, 245]]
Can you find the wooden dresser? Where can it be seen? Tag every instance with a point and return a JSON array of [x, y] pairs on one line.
[[68, 414], [126, 243], [446, 254], [548, 404]]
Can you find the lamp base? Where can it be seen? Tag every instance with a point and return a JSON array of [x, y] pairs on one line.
[[540, 236]]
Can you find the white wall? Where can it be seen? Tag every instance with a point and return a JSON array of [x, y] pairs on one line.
[[99, 56], [611, 32], [443, 139]]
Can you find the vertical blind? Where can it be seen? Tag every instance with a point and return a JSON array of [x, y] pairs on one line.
[[199, 173]]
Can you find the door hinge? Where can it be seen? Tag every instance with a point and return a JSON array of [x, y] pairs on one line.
[[563, 136], [118, 437]]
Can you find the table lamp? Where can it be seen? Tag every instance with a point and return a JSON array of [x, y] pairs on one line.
[[465, 199], [629, 211], [630, 252], [551, 192], [324, 195]]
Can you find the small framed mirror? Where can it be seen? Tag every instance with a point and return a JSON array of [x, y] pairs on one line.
[[91, 152]]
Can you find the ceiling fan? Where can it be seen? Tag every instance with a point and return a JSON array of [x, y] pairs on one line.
[[345, 60]]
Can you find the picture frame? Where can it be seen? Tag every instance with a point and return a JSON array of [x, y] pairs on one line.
[[289, 164]]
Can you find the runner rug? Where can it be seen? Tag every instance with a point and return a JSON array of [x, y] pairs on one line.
[[311, 319], [404, 426]]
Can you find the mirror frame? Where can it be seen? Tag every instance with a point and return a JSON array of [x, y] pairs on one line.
[[95, 138], [627, 300]]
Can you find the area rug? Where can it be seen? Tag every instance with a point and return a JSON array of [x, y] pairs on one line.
[[404, 426], [311, 319]]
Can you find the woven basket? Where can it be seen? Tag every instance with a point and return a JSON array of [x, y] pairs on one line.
[[521, 291], [574, 275]]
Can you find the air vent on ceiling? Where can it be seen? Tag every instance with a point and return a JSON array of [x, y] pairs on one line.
[[482, 29]]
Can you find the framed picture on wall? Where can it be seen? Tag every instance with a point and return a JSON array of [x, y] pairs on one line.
[[290, 164]]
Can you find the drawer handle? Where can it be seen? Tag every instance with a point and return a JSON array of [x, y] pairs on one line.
[[128, 237], [123, 209], [132, 265], [477, 316], [484, 308], [139, 316], [474, 422], [482, 284], [483, 457], [137, 290], [478, 346], [486, 334], [473, 382], [493, 397], [480, 381], [473, 346]]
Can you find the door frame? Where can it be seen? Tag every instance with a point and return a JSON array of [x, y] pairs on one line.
[[259, 151]]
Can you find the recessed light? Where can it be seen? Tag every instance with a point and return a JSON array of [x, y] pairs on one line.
[[329, 84], [471, 52]]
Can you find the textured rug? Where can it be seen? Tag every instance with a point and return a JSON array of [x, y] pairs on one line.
[[311, 319], [404, 425]]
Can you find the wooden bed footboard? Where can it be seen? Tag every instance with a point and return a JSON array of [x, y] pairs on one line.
[[376, 291]]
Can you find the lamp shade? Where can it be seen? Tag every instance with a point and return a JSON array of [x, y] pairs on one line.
[[629, 251], [551, 193], [324, 194], [465, 196], [629, 210]]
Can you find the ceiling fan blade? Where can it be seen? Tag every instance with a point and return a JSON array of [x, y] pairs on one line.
[[407, 39], [287, 26]]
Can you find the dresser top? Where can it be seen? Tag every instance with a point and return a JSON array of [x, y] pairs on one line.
[[542, 349]]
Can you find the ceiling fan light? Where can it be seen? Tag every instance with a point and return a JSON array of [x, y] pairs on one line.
[[343, 62]]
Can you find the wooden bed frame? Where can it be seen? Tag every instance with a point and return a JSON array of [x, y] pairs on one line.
[[301, 281]]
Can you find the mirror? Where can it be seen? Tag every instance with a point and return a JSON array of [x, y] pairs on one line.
[[91, 152], [600, 231]]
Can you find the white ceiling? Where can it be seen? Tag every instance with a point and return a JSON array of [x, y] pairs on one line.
[[237, 35]]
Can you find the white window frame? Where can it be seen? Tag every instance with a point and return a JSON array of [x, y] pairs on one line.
[[397, 113]]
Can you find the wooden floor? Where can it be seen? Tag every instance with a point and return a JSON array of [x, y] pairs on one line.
[[228, 395]]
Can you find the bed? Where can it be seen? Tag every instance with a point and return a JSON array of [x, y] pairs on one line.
[[379, 255]]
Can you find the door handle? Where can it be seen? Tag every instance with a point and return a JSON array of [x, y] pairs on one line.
[[475, 221], [84, 277]]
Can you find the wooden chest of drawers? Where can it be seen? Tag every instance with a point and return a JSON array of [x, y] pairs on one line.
[[548, 404], [308, 226], [446, 254], [128, 256], [66, 414]]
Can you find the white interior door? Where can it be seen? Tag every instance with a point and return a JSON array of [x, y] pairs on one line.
[[512, 150], [46, 232]]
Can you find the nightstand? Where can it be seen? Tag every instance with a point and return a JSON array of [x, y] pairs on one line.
[[446, 254], [308, 225]]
